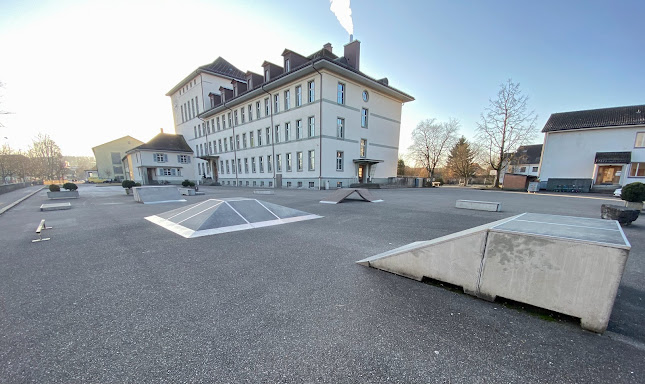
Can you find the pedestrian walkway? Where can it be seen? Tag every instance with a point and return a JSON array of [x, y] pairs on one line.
[[10, 199]]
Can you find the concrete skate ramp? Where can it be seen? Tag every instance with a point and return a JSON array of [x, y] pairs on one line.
[[570, 265], [216, 216], [341, 194], [154, 194]]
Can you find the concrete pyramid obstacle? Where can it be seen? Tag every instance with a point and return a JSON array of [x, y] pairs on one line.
[[341, 194], [216, 216], [570, 265]]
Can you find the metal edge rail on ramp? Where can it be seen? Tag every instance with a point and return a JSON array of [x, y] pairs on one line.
[[569, 265], [341, 194]]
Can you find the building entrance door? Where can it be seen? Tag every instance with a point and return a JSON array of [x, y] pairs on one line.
[[608, 174], [361, 173], [151, 173]]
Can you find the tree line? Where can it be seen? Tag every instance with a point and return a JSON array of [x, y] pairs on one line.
[[504, 126], [43, 160]]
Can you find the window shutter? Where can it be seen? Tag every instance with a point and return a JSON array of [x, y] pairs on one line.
[[188, 158], [160, 171], [165, 158], [178, 171], [179, 158], [154, 157]]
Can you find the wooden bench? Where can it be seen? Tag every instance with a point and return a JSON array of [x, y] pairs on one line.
[[40, 228]]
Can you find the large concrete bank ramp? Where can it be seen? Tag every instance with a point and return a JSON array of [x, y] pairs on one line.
[[565, 264]]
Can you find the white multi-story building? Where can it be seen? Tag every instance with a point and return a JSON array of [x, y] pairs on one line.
[[317, 121]]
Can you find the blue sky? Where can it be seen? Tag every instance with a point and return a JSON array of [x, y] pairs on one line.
[[89, 72]]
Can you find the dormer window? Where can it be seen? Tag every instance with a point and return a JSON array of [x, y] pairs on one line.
[[287, 65]]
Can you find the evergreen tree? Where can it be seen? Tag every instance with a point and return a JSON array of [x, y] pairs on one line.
[[461, 160]]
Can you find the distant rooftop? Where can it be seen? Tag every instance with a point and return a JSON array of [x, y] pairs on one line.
[[596, 118], [165, 142]]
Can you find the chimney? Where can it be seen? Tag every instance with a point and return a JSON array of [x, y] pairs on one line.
[[328, 47], [353, 54], [161, 130]]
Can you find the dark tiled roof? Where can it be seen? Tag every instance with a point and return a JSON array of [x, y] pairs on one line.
[[223, 67], [166, 142], [528, 154], [322, 53], [596, 118]]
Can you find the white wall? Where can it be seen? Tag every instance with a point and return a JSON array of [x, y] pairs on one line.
[[139, 161]]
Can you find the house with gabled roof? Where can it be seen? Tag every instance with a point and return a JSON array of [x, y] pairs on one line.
[[108, 157], [604, 147], [165, 159], [315, 121], [525, 161]]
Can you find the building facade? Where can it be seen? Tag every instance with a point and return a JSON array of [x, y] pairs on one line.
[[314, 122], [606, 146], [525, 161], [165, 159], [108, 157]]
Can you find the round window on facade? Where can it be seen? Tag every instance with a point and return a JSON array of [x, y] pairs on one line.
[[366, 95]]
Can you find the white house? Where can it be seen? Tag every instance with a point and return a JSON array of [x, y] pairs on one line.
[[604, 147], [316, 120], [165, 159], [526, 161]]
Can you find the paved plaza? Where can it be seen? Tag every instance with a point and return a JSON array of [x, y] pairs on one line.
[[115, 298]]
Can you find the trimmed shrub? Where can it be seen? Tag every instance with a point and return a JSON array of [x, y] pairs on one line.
[[70, 186], [127, 184], [633, 192], [187, 183], [54, 188], [137, 184]]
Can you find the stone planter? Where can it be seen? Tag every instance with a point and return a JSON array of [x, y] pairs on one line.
[[128, 191], [637, 205], [187, 191], [63, 195], [623, 215]]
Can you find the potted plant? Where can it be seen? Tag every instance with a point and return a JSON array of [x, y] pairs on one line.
[[634, 195], [70, 193], [188, 188], [127, 185]]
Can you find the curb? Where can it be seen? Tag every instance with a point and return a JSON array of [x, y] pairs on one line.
[[8, 207]]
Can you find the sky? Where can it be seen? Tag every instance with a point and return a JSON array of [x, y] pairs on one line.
[[87, 72]]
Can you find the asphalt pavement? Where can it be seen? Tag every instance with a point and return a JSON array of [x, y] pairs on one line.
[[113, 298]]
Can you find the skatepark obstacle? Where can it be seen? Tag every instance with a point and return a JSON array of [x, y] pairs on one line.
[[341, 194]]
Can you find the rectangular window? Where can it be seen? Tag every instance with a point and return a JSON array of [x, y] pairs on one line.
[[201, 149], [266, 75], [251, 139], [259, 137], [364, 117], [363, 151], [276, 137], [278, 163], [235, 114], [246, 165], [311, 184], [299, 161], [298, 95], [208, 126], [183, 159], [637, 170], [250, 112], [288, 162], [287, 100], [192, 103], [287, 131], [312, 91], [340, 128], [522, 169], [228, 170], [640, 140], [230, 120], [182, 113], [225, 146], [223, 122], [237, 141], [288, 184], [244, 140], [195, 128], [261, 164], [339, 184], [269, 166], [287, 65], [339, 160], [261, 183], [242, 115], [221, 166], [210, 148], [535, 169], [253, 165], [254, 183], [217, 120], [230, 142], [160, 158], [270, 183], [341, 93], [312, 160], [298, 129], [276, 102], [268, 130], [219, 144], [257, 109], [239, 166], [266, 107], [312, 126]]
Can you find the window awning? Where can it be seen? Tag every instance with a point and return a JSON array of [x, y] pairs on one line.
[[613, 158], [208, 157], [367, 161]]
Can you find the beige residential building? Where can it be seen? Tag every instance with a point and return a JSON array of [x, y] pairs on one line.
[[108, 157], [316, 121]]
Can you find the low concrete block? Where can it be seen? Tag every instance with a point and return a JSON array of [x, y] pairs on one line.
[[62, 195], [154, 194], [55, 206], [187, 191], [263, 192], [479, 205], [623, 215]]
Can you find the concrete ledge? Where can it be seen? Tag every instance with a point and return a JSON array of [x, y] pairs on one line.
[[62, 195], [479, 205], [157, 194], [187, 191], [55, 207], [263, 192]]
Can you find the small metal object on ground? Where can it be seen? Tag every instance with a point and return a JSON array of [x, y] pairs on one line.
[[55, 206], [40, 228]]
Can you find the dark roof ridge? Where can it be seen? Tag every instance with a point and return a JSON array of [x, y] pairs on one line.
[[596, 118], [165, 142]]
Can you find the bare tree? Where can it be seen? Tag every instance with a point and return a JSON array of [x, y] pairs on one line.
[[430, 141], [1, 111], [461, 160], [506, 124], [46, 158]]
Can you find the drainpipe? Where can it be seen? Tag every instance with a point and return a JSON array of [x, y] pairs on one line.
[[313, 65], [272, 138], [237, 181]]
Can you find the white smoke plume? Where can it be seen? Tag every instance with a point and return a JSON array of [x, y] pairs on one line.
[[343, 13]]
